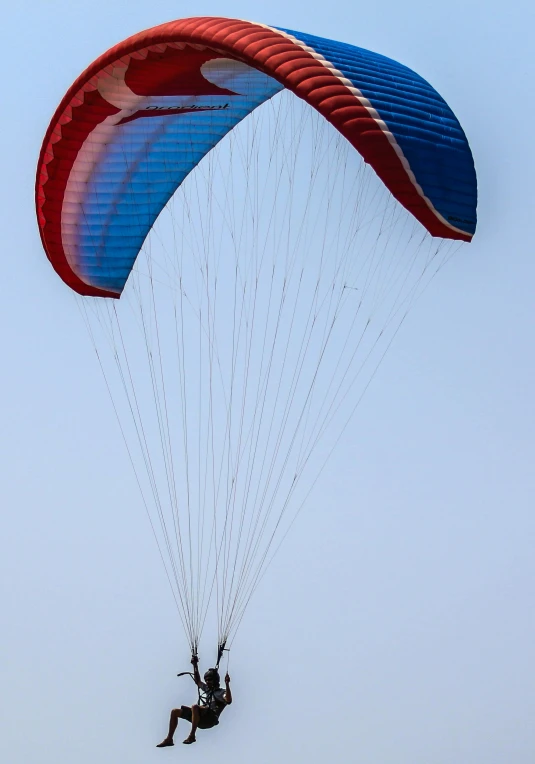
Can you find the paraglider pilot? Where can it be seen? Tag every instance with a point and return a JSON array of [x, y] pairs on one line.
[[212, 701]]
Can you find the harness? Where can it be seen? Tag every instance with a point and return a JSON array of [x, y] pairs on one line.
[[207, 698]]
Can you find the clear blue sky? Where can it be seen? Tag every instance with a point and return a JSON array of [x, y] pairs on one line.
[[397, 626]]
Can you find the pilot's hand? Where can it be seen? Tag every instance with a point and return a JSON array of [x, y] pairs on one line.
[[227, 679], [194, 660]]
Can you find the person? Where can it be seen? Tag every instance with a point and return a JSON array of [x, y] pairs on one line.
[[204, 715]]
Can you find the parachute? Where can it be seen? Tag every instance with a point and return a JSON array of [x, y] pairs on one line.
[[299, 194]]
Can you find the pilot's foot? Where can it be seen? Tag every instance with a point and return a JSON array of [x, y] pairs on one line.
[[165, 743]]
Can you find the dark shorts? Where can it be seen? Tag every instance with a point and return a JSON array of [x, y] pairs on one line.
[[207, 717]]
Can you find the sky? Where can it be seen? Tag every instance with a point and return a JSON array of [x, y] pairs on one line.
[[397, 625]]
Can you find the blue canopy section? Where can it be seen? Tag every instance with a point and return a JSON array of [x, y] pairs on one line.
[[138, 172], [424, 126]]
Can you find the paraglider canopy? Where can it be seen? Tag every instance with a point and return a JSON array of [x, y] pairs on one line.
[[138, 120]]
